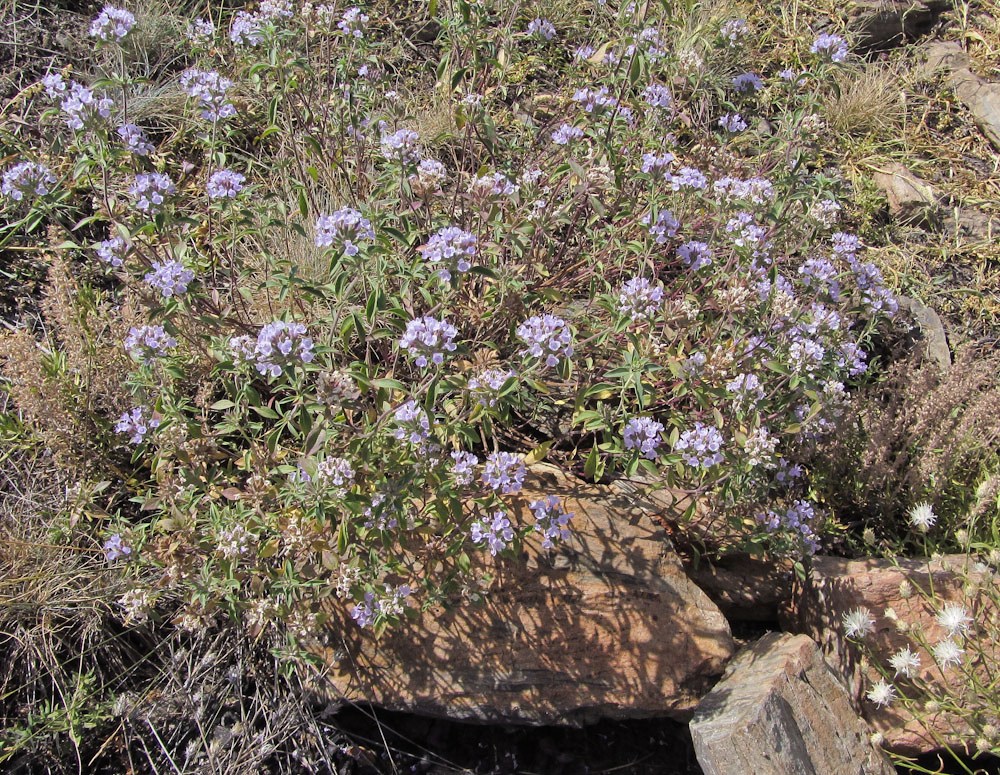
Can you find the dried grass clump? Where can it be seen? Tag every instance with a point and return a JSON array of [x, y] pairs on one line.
[[869, 101]]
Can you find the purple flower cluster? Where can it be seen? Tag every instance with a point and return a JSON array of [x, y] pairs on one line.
[[210, 89], [246, 29], [748, 83], [639, 299], [147, 343], [541, 28], [463, 468], [566, 134], [658, 96], [83, 109], [170, 278], [504, 472], [390, 604], [353, 22], [487, 385], [413, 424], [150, 190], [550, 520], [800, 518], [427, 339], [136, 424], [734, 29], [496, 532], [756, 190], [666, 226], [688, 178], [657, 165], [201, 32], [744, 232], [594, 101], [852, 358], [733, 122], [428, 178], [492, 185], [746, 388], [402, 146], [695, 255], [831, 47], [278, 344], [225, 184], [112, 24], [451, 247], [27, 178], [115, 547], [345, 228], [701, 446], [821, 275], [135, 139], [546, 336], [337, 473], [643, 434], [112, 251]]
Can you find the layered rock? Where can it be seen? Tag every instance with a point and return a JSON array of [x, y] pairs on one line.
[[606, 626]]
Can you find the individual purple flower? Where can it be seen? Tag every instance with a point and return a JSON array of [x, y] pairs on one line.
[[643, 434], [695, 255], [112, 251], [566, 134], [657, 164], [831, 47], [639, 299], [487, 385], [546, 336], [115, 547], [413, 424], [135, 139], [225, 184], [688, 178], [146, 343], [658, 96], [170, 278], [427, 339], [150, 191], [27, 178], [450, 248], [85, 110], [352, 23], [666, 226], [551, 520], [210, 89], [701, 446], [733, 122], [136, 424], [345, 229], [246, 29], [112, 24], [463, 467], [541, 28], [748, 83], [401, 145], [279, 344], [504, 472], [495, 532]]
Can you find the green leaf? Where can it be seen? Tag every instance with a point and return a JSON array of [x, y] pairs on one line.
[[538, 453], [225, 403]]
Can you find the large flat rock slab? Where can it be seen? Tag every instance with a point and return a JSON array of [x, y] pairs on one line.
[[606, 625], [782, 710]]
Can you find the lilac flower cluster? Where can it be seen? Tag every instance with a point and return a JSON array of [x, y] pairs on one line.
[[701, 446], [831, 47], [210, 89], [353, 22], [112, 24], [800, 518], [746, 388], [734, 30], [758, 191], [135, 140], [733, 122], [643, 434], [551, 520], [150, 190], [278, 344], [639, 299], [136, 424], [401, 145], [390, 604], [146, 343], [428, 178], [412, 422], [487, 385], [170, 278], [225, 184], [451, 247], [821, 275], [463, 467], [546, 336], [695, 255], [566, 134], [116, 548], [666, 226], [594, 101], [345, 228], [748, 83], [541, 28], [246, 29], [658, 96], [112, 251], [495, 532], [336, 473], [493, 185], [744, 232], [504, 472], [688, 178], [657, 165], [201, 32], [759, 448], [427, 339], [26, 178], [852, 358], [83, 109]]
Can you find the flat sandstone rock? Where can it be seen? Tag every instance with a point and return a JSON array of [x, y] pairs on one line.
[[606, 626]]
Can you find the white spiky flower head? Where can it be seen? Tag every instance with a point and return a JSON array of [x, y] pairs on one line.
[[922, 517], [905, 662], [954, 618], [882, 693], [947, 652], [858, 623]]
